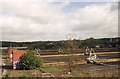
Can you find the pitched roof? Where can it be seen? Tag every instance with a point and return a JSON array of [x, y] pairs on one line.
[[17, 54]]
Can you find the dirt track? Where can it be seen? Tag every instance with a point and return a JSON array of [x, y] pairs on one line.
[[105, 57], [111, 61]]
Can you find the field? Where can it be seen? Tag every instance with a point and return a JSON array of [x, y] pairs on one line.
[[58, 65], [109, 67]]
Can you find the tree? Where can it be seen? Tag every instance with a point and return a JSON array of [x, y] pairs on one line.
[[71, 48], [30, 61]]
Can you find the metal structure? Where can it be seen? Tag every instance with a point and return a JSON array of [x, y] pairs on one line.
[[38, 51], [92, 56], [60, 50], [86, 51]]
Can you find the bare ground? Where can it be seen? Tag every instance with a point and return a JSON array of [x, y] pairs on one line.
[[111, 61]]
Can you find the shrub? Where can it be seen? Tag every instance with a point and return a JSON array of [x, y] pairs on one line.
[[30, 61]]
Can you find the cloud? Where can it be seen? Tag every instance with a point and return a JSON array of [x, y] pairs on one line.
[[48, 21], [94, 18]]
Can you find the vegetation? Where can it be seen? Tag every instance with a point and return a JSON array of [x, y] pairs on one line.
[[46, 45], [71, 47], [30, 61], [51, 68]]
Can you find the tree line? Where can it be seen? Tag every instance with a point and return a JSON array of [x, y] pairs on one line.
[[90, 42]]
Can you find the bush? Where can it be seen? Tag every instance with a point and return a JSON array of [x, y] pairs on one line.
[[30, 61]]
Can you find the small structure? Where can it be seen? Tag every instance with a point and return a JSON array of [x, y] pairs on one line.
[[92, 57], [86, 51], [60, 50], [17, 56], [38, 51]]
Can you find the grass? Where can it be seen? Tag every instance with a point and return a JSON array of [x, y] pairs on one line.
[[30, 73], [51, 68], [20, 73]]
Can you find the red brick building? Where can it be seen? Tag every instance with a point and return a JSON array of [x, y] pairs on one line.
[[17, 55]]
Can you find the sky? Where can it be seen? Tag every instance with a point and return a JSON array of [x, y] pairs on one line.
[[49, 21]]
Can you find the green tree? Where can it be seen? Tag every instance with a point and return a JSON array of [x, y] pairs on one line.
[[30, 61]]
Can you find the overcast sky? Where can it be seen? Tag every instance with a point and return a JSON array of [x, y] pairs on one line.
[[36, 21]]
